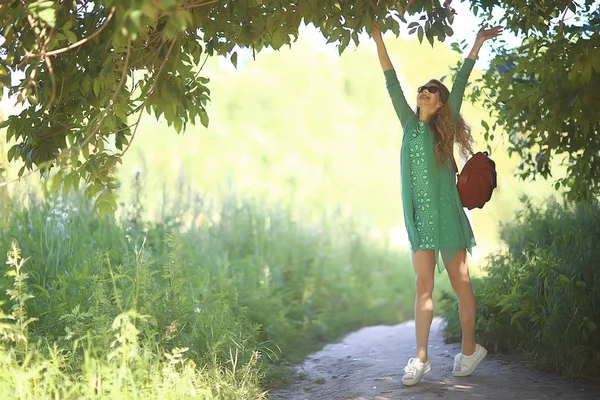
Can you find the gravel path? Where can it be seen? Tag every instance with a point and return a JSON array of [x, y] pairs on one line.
[[368, 364]]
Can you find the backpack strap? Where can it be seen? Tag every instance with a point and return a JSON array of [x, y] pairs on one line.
[[454, 163]]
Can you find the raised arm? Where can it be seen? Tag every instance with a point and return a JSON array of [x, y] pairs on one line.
[[462, 77], [483, 35], [384, 59], [403, 111]]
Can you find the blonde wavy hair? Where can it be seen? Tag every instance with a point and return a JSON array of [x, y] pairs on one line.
[[448, 130]]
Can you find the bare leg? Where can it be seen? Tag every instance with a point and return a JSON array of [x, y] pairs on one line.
[[458, 272], [424, 265]]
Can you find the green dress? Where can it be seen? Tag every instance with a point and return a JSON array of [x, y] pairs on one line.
[[433, 213]]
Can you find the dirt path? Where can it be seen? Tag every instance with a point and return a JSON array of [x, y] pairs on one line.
[[368, 364]]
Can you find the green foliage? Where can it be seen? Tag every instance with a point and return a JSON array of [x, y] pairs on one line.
[[204, 303], [543, 94], [541, 296], [17, 331], [90, 66]]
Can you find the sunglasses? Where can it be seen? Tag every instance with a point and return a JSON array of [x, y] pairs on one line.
[[430, 89]]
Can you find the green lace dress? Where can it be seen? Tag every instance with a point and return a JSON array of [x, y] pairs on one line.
[[433, 213]]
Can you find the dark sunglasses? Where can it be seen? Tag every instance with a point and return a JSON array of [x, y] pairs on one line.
[[430, 89]]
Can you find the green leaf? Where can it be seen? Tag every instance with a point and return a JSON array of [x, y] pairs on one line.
[[355, 37], [178, 123], [48, 16], [97, 87], [136, 17], [515, 317], [168, 4], [40, 5], [429, 35], [106, 203], [564, 279], [56, 182], [344, 42], [71, 37], [204, 118], [183, 18], [395, 27], [587, 73]]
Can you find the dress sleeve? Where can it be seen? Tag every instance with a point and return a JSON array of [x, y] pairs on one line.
[[458, 88], [403, 111]]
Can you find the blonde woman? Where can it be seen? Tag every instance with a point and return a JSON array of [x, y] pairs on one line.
[[438, 229]]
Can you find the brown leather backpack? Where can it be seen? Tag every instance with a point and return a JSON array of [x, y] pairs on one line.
[[477, 180]]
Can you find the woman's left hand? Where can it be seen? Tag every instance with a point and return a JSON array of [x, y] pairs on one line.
[[485, 34]]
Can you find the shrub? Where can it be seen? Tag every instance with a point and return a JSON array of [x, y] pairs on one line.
[[541, 296]]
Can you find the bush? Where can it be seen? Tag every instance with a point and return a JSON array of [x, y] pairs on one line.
[[203, 303], [541, 296]]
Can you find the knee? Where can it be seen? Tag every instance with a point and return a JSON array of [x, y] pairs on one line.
[[460, 282], [424, 285]]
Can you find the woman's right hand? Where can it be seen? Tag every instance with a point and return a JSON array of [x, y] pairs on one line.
[[376, 32]]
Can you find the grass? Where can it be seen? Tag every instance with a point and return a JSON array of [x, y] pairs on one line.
[[208, 301]]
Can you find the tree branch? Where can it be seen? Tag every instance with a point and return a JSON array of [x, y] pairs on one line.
[[562, 19], [137, 123], [53, 78], [44, 164], [113, 98], [78, 43], [201, 67], [79, 146], [196, 5], [406, 7], [298, 9]]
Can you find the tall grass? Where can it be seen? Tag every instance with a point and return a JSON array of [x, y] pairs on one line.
[[205, 302], [541, 296]]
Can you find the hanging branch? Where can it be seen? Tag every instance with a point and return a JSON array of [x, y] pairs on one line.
[[150, 92], [87, 138], [562, 19], [44, 53]]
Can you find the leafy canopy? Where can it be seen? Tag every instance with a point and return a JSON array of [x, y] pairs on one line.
[[91, 65], [544, 94]]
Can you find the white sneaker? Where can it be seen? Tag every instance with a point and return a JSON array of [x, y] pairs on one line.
[[414, 371], [465, 365]]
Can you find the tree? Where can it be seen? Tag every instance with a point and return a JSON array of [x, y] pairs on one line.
[[544, 95], [90, 65]]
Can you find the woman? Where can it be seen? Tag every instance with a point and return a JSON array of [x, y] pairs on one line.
[[438, 229]]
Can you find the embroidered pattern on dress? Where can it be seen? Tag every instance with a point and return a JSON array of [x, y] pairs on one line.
[[421, 190]]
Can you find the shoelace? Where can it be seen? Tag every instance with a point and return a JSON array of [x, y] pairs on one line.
[[411, 367], [458, 363]]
